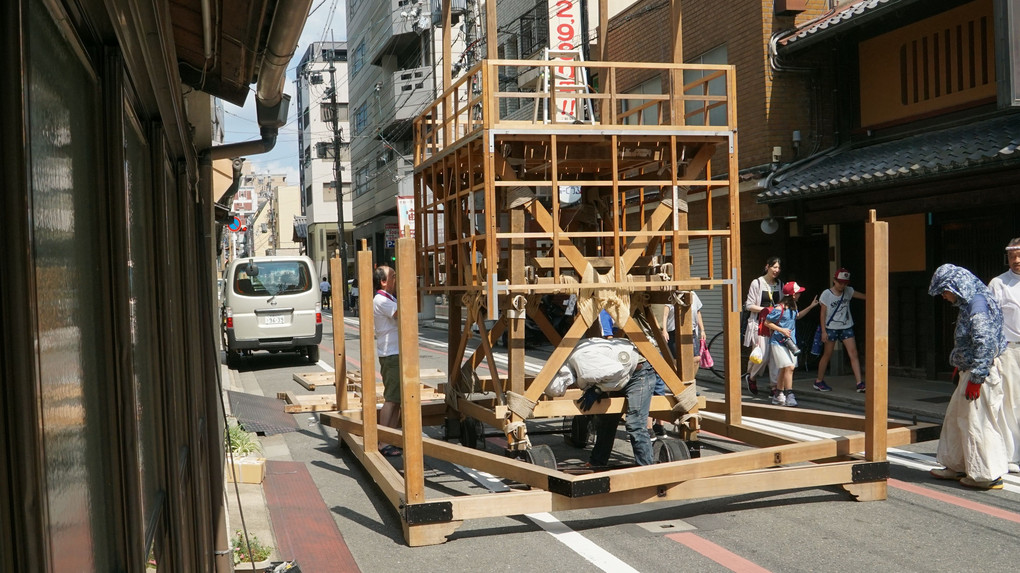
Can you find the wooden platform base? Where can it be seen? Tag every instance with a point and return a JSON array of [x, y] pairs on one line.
[[786, 466]]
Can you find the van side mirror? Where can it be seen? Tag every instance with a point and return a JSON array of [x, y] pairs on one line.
[[252, 269]]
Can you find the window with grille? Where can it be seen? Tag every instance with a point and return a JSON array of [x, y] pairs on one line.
[[327, 114], [361, 181], [360, 119], [535, 29], [706, 112], [359, 59]]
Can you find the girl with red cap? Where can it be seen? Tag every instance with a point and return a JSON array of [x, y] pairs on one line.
[[782, 321]]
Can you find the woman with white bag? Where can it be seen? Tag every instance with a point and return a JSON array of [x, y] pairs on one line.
[[763, 294]]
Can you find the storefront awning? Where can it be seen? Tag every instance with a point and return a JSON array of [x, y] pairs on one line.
[[989, 144]]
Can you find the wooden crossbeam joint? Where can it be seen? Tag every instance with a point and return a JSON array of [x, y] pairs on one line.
[[579, 488], [428, 512], [871, 471]]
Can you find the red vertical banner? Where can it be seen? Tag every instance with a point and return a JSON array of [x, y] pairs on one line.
[[565, 34]]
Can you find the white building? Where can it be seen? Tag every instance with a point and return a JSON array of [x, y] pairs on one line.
[[321, 84], [395, 48]]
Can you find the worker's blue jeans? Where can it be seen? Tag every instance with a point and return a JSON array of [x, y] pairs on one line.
[[639, 398]]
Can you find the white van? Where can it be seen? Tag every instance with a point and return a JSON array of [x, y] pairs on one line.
[[274, 304]]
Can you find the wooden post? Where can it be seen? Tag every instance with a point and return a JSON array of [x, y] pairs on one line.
[[410, 373], [447, 57], [731, 261], [491, 37], [339, 347], [366, 315], [876, 355], [514, 317]]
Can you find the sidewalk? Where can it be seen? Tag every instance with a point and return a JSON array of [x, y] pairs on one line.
[[908, 397]]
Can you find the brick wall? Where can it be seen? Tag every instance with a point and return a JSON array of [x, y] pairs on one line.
[[770, 105]]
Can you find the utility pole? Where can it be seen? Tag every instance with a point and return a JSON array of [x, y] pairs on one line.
[[337, 179]]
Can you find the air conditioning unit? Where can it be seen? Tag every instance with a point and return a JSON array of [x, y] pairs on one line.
[[457, 9]]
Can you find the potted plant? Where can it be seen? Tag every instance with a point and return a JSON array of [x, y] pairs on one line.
[[248, 552], [247, 466]]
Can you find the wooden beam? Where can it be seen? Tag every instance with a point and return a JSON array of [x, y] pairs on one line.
[[876, 354], [366, 316], [339, 342], [410, 397]]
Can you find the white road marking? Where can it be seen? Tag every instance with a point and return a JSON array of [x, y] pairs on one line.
[[913, 460], [581, 545]]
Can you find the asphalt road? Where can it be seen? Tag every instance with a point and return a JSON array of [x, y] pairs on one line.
[[924, 525]]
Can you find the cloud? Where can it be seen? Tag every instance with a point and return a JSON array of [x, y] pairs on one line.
[[327, 22]]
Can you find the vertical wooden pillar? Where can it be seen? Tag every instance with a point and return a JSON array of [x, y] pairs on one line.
[[369, 417], [676, 77], [410, 372], [876, 356], [447, 57], [731, 260], [339, 347], [515, 319], [731, 338], [491, 50], [676, 14]]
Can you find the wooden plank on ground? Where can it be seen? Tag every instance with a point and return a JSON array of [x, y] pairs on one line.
[[317, 403], [311, 380]]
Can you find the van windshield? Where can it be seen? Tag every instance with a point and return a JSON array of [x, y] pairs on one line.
[[274, 277]]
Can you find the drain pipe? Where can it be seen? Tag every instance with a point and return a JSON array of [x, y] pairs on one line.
[[271, 104]]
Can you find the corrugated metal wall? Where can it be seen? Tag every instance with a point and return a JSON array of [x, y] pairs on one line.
[[713, 309]]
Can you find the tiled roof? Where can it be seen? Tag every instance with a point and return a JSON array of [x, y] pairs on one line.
[[842, 18], [989, 143]]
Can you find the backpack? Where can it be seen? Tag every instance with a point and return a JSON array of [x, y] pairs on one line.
[[763, 329]]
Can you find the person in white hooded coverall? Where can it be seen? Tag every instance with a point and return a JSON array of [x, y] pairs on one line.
[[1006, 290], [971, 446]]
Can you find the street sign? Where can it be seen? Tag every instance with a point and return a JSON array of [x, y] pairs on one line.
[[392, 231], [391, 244], [235, 224], [405, 214]]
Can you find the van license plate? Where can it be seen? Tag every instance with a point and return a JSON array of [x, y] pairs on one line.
[[276, 319]]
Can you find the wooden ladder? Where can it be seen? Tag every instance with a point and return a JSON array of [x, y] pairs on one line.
[[570, 82]]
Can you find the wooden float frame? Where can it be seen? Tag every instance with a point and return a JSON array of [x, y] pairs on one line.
[[459, 152]]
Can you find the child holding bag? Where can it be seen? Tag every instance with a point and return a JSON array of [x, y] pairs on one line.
[[782, 321]]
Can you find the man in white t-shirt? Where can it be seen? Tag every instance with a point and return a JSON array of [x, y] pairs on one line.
[[387, 347], [1006, 290], [838, 324]]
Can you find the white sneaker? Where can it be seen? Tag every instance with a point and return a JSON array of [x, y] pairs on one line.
[[1014, 468], [779, 399], [791, 400]]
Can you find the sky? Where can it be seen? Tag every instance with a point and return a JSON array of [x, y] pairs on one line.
[[327, 22]]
